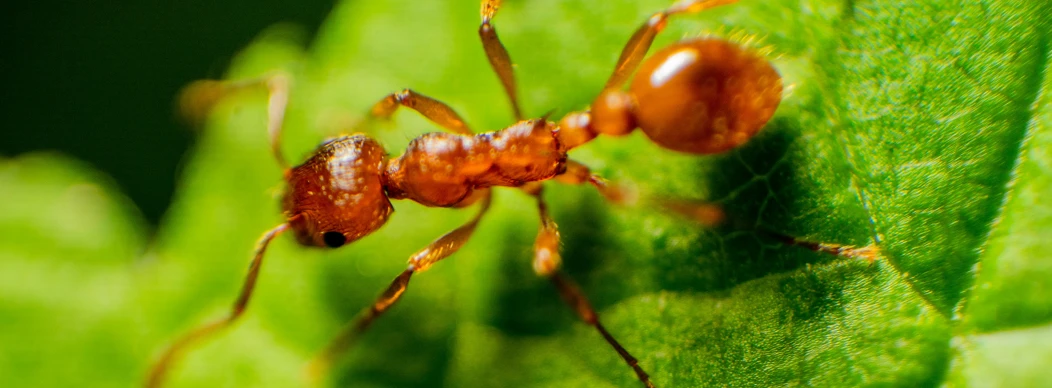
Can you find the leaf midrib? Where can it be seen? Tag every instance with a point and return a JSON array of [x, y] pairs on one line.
[[1032, 98]]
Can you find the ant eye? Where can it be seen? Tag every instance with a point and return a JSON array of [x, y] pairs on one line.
[[334, 239]]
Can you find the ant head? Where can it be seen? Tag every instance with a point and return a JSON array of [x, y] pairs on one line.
[[337, 196], [704, 95]]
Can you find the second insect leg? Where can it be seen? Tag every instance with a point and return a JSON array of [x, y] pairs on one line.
[[546, 263]]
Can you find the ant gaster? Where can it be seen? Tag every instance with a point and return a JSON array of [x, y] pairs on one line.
[[698, 96]]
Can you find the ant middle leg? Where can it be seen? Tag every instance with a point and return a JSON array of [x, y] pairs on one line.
[[498, 55], [440, 113], [420, 261], [546, 263]]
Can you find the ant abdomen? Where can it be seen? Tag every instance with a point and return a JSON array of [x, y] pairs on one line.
[[704, 96], [337, 196]]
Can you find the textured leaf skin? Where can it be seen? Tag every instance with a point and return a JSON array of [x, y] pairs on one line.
[[923, 128]]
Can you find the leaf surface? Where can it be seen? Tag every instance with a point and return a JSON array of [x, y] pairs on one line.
[[920, 128]]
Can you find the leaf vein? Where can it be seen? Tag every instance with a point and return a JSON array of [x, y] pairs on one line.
[[1031, 125]]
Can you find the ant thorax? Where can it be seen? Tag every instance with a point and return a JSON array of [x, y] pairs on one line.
[[443, 169], [337, 196]]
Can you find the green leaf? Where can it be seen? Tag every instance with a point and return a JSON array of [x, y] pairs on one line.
[[67, 261], [920, 128]]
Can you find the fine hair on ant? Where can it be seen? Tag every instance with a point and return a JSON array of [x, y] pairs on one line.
[[697, 96]]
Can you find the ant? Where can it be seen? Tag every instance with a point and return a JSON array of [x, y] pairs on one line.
[[697, 96]]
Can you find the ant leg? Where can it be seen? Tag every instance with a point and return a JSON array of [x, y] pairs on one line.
[[546, 264], [706, 214], [870, 252], [432, 109], [418, 262], [577, 173], [640, 42], [161, 367], [197, 100], [497, 54], [701, 212]]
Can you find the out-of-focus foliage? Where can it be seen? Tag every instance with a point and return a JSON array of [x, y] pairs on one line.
[[921, 128]]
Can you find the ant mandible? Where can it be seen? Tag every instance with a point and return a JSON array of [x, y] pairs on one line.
[[698, 96]]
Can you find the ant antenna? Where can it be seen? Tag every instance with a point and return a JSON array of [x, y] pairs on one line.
[[161, 368], [277, 102], [197, 100]]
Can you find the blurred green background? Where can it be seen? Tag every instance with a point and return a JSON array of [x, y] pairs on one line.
[[922, 128], [97, 80]]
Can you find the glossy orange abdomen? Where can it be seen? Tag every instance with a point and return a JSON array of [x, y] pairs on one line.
[[705, 95]]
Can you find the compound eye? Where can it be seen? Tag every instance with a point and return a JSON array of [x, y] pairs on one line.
[[334, 239]]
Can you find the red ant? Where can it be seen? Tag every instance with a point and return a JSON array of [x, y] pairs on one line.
[[698, 96]]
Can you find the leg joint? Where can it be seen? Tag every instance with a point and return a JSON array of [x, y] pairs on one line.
[[657, 21]]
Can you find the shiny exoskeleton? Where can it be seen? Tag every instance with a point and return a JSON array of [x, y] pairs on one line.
[[697, 96]]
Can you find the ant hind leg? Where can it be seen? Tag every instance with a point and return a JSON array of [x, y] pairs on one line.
[[870, 252], [704, 213], [640, 42]]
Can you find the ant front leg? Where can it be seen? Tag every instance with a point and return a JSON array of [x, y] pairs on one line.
[[546, 263], [161, 367], [420, 261], [497, 54], [436, 111]]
